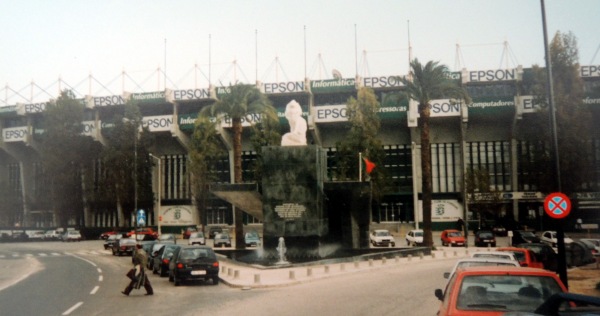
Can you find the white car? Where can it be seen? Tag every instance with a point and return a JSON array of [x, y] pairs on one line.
[[196, 238], [414, 237], [382, 237], [71, 235], [495, 254], [549, 237], [36, 235], [477, 262], [52, 235]]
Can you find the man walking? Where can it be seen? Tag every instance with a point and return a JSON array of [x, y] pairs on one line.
[[138, 276]]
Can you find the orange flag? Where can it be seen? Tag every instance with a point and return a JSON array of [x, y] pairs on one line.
[[369, 165]]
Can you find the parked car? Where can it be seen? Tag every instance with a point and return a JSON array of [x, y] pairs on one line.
[[37, 235], [194, 263], [52, 235], [480, 262], [549, 237], [71, 235], [591, 245], [499, 230], [452, 237], [524, 236], [414, 237], [495, 254], [382, 237], [222, 239], [251, 238], [188, 231], [525, 257], [578, 254], [544, 253], [152, 254], [485, 238], [164, 256], [167, 239], [105, 235], [108, 243], [123, 246], [144, 231], [197, 238], [213, 230], [595, 242], [497, 290]]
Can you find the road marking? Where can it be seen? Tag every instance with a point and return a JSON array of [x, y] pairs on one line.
[[80, 258], [99, 270], [100, 278], [70, 310], [2, 256], [15, 255], [43, 254], [94, 290], [56, 254]]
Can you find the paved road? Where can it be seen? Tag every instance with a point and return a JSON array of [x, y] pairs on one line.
[[83, 279]]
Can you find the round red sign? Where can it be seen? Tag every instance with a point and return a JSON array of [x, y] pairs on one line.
[[557, 205]]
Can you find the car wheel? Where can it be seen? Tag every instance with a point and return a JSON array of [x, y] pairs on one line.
[[163, 273], [154, 271], [114, 253], [215, 280], [171, 277]]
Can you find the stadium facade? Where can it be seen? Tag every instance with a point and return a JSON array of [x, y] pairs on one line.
[[484, 133]]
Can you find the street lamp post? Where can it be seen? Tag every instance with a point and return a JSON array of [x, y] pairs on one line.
[[135, 185], [159, 192]]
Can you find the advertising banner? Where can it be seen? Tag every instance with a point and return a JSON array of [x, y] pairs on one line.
[[176, 215]]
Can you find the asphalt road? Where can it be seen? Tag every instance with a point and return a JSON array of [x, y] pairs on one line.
[[83, 279]]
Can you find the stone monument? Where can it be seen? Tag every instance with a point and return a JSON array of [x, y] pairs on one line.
[[292, 188]]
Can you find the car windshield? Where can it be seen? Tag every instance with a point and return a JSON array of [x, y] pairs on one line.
[[382, 233], [505, 292], [418, 234], [187, 254], [491, 255], [527, 234], [465, 264], [196, 235], [454, 234], [486, 235]]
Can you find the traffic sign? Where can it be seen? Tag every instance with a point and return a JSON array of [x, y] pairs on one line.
[[141, 218], [557, 205]]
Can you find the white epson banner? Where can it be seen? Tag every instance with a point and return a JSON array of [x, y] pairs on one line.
[[331, 113], [162, 123], [443, 107], [14, 134], [89, 128]]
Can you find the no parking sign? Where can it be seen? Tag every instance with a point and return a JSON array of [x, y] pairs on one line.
[[557, 205]]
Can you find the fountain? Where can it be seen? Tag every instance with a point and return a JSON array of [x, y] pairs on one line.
[[281, 250]]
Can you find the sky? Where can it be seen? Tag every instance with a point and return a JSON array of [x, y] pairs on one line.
[[106, 47]]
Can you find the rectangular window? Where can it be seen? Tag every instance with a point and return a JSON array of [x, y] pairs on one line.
[[493, 156], [445, 167]]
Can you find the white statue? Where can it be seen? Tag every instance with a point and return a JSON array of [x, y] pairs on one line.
[[298, 127]]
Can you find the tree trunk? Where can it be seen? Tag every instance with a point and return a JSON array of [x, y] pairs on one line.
[[426, 173], [237, 176]]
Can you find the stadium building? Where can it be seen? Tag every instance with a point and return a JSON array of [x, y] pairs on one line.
[[483, 134]]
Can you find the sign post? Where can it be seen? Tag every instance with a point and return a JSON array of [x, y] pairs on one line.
[[558, 206]]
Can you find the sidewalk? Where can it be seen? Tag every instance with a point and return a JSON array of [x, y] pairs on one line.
[[244, 276]]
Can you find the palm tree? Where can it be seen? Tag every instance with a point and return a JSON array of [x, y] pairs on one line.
[[423, 85], [241, 101]]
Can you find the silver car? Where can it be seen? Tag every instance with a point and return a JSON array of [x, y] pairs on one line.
[[196, 238]]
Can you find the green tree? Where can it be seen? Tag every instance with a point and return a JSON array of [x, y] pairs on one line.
[[126, 166], [361, 137], [205, 152], [573, 123], [65, 154], [241, 101], [424, 84], [264, 133], [481, 195]]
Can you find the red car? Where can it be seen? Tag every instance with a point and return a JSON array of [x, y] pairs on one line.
[[105, 235], [144, 231], [525, 257], [492, 290], [453, 237]]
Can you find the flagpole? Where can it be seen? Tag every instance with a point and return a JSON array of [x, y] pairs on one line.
[[359, 167]]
